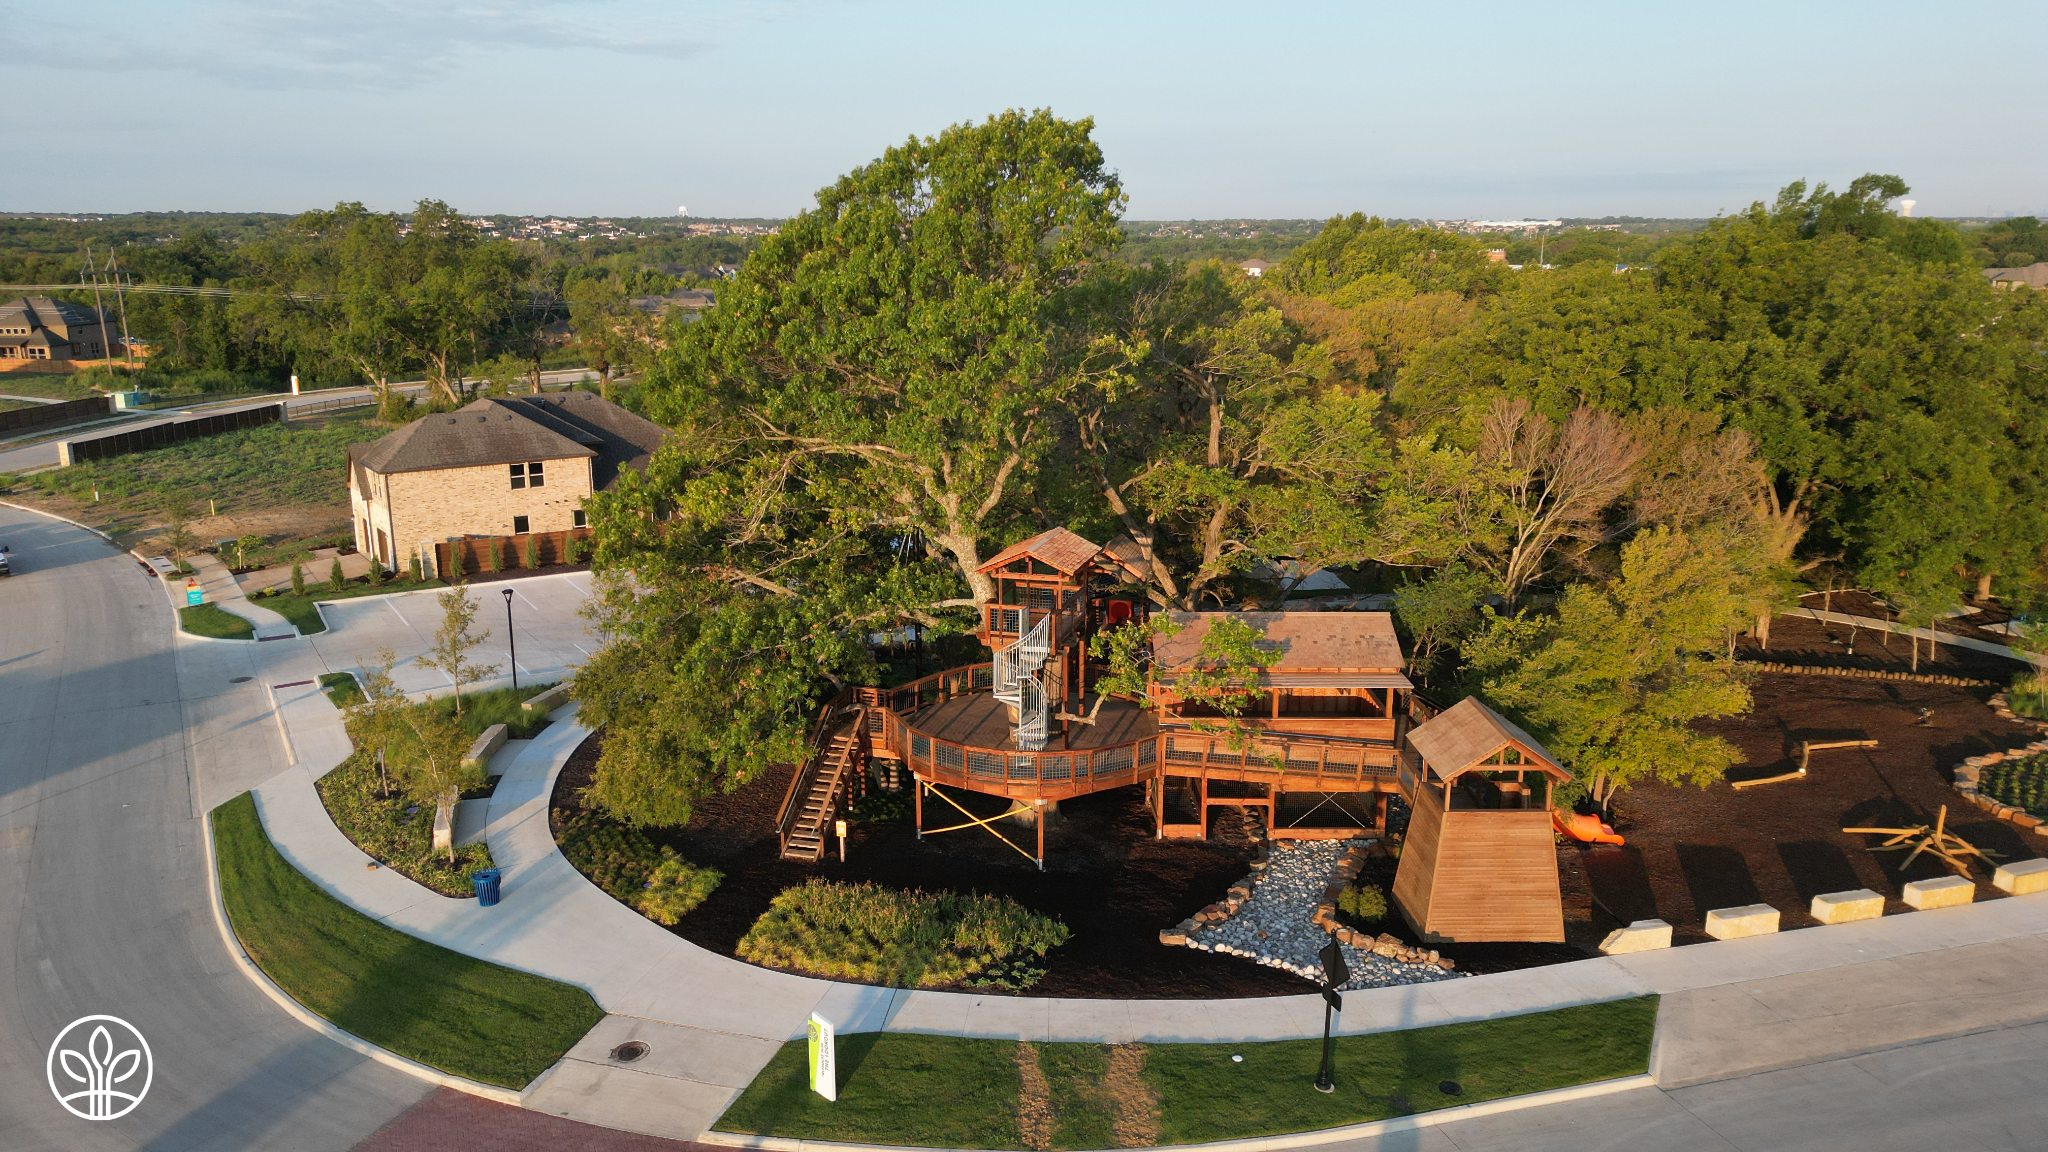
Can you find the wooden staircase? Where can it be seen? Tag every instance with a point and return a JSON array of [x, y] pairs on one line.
[[823, 787]]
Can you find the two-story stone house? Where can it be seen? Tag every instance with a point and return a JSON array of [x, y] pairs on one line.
[[496, 467], [39, 328]]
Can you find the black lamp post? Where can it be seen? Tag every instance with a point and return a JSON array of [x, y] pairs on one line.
[[1336, 973], [511, 639]]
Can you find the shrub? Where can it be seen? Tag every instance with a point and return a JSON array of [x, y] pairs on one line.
[[413, 568], [2020, 783], [455, 554], [298, 579], [884, 936], [396, 831], [675, 887], [529, 555], [577, 549], [2028, 695], [336, 582], [491, 555], [1365, 903]]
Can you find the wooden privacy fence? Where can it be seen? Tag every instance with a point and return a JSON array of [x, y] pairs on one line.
[[55, 415], [164, 435], [550, 548]]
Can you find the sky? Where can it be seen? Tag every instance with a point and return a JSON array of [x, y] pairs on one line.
[[745, 109]]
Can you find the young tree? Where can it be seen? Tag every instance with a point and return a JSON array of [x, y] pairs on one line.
[[1612, 683], [1223, 676], [1438, 613], [431, 768], [454, 641], [336, 582], [298, 578], [178, 539], [373, 721], [609, 329]]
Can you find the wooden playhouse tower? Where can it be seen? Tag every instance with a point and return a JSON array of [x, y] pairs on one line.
[[1479, 862]]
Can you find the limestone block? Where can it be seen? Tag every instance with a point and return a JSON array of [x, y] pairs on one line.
[[549, 700], [2021, 877], [1173, 939], [1940, 892], [1641, 936], [486, 746], [1748, 920], [1843, 907], [444, 827]]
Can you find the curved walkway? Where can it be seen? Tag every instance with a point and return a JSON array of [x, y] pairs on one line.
[[1731, 1008], [714, 1021]]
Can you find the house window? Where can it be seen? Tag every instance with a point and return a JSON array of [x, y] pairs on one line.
[[519, 475], [579, 518], [519, 524], [528, 475]]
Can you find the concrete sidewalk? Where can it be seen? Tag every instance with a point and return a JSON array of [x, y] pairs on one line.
[[222, 590]]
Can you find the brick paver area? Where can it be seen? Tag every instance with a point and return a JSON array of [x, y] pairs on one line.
[[451, 1121]]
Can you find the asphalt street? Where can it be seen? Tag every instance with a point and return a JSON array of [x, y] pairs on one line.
[[103, 890]]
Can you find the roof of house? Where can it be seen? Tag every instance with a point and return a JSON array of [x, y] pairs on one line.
[[2034, 275], [1467, 732], [513, 429], [1254, 262], [1129, 555], [1056, 547], [1360, 644], [36, 312]]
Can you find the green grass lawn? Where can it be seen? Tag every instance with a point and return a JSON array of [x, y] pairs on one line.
[[420, 1000], [491, 706], [215, 621], [249, 470], [341, 688], [897, 1088], [306, 618]]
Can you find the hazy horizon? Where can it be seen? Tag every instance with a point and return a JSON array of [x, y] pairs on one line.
[[743, 110]]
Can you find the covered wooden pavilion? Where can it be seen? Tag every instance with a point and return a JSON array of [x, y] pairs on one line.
[[1480, 860]]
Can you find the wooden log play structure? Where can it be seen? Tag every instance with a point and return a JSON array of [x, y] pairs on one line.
[[1938, 840], [1806, 750]]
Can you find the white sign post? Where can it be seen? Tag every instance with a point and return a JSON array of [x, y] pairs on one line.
[[824, 1060]]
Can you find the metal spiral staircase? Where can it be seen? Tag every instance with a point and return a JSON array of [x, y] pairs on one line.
[[1020, 683]]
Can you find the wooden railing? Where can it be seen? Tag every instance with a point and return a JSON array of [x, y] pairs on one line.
[[814, 751], [1309, 762], [1049, 774]]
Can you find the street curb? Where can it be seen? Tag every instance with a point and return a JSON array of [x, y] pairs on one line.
[[1323, 1136], [319, 1024]]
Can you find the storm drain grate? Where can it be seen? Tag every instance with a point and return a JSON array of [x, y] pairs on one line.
[[630, 1051]]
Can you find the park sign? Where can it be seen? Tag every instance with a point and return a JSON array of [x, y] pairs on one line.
[[194, 594], [824, 1060]]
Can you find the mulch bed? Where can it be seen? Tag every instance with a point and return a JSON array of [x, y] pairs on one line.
[[1691, 850], [1105, 876]]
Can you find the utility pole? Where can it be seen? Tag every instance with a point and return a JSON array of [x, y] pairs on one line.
[[121, 302], [99, 313]]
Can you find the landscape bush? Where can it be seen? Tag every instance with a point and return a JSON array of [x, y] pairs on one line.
[[2028, 695], [1363, 903], [649, 878], [2020, 783], [886, 936]]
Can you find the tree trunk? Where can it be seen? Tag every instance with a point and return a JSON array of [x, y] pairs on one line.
[[1984, 585], [1763, 630]]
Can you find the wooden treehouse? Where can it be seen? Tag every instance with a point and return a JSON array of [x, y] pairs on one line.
[[1479, 861], [1336, 729]]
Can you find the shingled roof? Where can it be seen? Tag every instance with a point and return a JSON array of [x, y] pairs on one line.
[[565, 425], [1056, 546], [1312, 646], [1467, 732]]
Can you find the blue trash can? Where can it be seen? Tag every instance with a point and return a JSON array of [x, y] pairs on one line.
[[486, 881]]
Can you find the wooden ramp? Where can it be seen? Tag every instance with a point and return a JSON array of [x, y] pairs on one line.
[[822, 787]]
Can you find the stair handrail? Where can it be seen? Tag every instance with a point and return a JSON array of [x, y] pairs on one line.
[[813, 748]]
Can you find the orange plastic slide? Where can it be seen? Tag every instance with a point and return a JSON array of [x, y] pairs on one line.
[[1585, 829]]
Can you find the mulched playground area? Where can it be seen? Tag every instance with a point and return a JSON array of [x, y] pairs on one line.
[[1689, 849]]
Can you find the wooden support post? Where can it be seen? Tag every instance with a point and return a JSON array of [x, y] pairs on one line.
[[1041, 834], [918, 800], [1202, 804], [1159, 806]]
